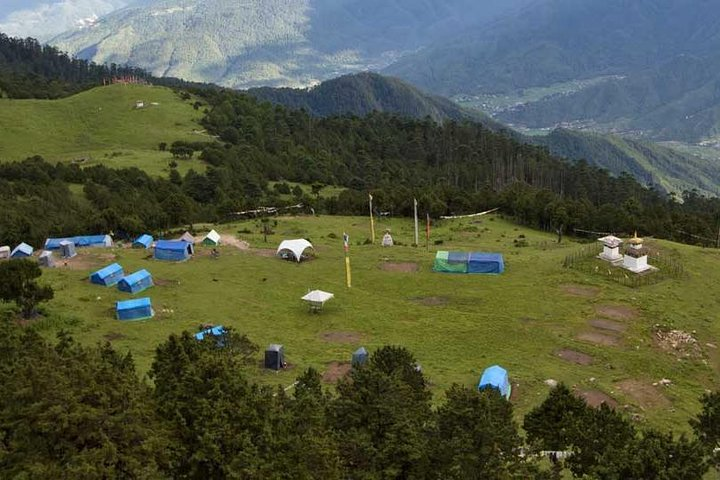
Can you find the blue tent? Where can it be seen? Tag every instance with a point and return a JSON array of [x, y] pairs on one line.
[[21, 251], [143, 241], [359, 357], [496, 377], [108, 276], [67, 249], [173, 250], [218, 331], [139, 309], [485, 263], [80, 241], [136, 282]]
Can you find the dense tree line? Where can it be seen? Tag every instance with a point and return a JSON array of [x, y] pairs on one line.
[[29, 69], [70, 411]]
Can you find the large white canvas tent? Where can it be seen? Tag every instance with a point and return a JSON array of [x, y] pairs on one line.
[[293, 249]]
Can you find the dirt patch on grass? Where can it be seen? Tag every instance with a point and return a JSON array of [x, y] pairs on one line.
[[515, 391], [599, 339], [431, 301], [608, 325], [341, 337], [403, 267], [617, 312], [335, 371], [232, 241], [112, 336], [645, 395], [575, 357], [580, 291], [163, 282], [595, 398], [85, 261]]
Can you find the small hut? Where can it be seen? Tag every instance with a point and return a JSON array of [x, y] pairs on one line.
[[67, 249], [275, 357], [212, 239], [136, 282], [359, 357], [636, 256], [496, 377], [173, 250], [5, 252], [143, 241], [387, 240], [46, 259], [108, 276], [611, 249], [139, 309]]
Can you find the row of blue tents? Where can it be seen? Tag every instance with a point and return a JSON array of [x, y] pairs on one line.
[[115, 275]]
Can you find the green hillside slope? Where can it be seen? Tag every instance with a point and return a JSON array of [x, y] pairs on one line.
[[648, 162], [101, 125]]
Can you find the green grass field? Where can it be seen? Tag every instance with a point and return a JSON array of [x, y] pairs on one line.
[[102, 126], [456, 325]]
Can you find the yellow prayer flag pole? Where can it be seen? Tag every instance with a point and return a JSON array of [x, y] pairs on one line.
[[372, 220]]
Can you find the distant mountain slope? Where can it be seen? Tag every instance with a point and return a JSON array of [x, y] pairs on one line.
[[273, 42], [648, 162], [658, 58], [363, 93]]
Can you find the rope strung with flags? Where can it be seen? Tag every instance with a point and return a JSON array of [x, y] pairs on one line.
[[472, 215]]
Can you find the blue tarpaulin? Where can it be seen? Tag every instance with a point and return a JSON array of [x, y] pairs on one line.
[[143, 241], [136, 282], [473, 262], [134, 309], [108, 276], [214, 331], [22, 250], [173, 250], [80, 241], [496, 377], [485, 263]]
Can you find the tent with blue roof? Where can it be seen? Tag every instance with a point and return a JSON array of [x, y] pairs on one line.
[[359, 357], [22, 251], [473, 262], [173, 250], [496, 377], [108, 276], [143, 241], [139, 309], [80, 241], [136, 282]]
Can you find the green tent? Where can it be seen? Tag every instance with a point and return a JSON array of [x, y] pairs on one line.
[[455, 263]]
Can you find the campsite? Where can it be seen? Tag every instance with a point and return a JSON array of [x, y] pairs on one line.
[[538, 320]]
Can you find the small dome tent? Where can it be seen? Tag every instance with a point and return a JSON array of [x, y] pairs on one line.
[[496, 377], [293, 249], [143, 241]]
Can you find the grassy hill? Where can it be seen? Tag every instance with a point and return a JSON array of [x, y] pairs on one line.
[[101, 125], [649, 163], [455, 324]]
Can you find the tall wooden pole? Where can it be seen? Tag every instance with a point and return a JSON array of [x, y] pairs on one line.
[[417, 235]]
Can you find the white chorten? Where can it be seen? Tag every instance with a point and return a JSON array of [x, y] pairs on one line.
[[636, 256], [611, 249]]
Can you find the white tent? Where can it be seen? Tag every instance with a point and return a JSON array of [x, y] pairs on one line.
[[317, 298], [212, 238], [186, 237], [294, 247], [4, 252]]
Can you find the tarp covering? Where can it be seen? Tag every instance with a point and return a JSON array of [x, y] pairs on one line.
[[496, 377], [212, 238], [173, 250], [136, 282], [46, 259], [22, 250], [463, 262], [80, 241], [214, 331], [67, 249], [293, 249], [143, 241], [108, 276], [134, 309]]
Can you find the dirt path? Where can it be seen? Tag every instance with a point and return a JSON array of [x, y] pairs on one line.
[[645, 395], [617, 312], [232, 241], [599, 339], [608, 325]]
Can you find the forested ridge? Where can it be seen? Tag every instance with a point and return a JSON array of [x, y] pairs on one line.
[[71, 411], [29, 69]]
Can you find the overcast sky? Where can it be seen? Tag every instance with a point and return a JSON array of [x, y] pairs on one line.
[[44, 19]]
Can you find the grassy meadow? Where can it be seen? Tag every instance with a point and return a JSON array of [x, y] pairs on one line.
[[102, 126], [456, 325]]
